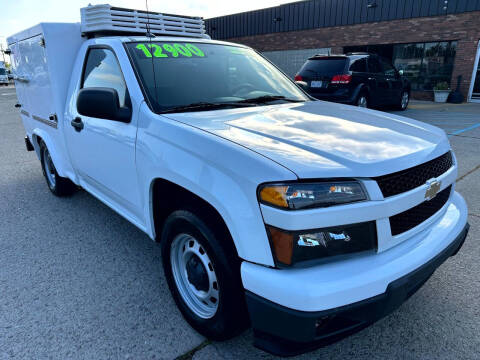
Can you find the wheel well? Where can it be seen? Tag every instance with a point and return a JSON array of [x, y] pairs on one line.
[[364, 90], [168, 197], [37, 139]]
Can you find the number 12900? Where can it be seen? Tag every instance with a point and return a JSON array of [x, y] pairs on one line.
[[169, 50]]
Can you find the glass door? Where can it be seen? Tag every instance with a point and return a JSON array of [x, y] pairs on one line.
[[474, 93]]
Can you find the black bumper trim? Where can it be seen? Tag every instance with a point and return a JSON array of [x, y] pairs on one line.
[[287, 332]]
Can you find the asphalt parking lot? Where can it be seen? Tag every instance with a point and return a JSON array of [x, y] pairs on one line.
[[77, 281]]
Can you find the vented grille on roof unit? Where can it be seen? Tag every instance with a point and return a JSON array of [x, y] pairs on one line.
[[106, 19]]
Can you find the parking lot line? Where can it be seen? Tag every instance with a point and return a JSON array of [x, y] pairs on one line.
[[474, 126]]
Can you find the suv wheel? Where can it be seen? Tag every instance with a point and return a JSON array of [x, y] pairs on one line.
[[58, 185], [404, 99], [362, 100], [203, 276]]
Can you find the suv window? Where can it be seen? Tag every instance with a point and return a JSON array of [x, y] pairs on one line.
[[374, 65], [102, 70], [323, 67], [358, 65], [388, 68]]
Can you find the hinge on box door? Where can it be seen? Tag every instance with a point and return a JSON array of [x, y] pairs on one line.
[[42, 42]]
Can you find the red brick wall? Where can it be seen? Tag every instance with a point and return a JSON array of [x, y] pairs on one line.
[[465, 28]]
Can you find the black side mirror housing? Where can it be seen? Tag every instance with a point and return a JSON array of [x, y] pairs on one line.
[[102, 103]]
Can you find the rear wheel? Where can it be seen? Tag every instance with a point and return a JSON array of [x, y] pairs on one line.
[[58, 185], [203, 275], [362, 100], [404, 100]]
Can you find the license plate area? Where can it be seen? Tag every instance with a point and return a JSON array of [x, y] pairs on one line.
[[316, 84]]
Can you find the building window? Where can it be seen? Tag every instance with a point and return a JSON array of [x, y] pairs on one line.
[[424, 64]]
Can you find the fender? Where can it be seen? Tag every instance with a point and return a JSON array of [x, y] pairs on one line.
[[55, 152], [223, 174]]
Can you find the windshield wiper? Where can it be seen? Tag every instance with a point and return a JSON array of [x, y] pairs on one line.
[[268, 98], [203, 106]]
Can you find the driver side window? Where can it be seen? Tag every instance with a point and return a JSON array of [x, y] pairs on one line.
[[374, 65], [388, 68], [102, 70]]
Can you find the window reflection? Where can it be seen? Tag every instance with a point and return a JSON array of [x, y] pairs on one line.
[[222, 74], [102, 70], [424, 64]]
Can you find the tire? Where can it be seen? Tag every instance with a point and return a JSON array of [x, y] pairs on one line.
[[191, 275], [362, 100], [403, 102], [59, 186]]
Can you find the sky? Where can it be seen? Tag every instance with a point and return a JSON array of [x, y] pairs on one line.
[[16, 15]]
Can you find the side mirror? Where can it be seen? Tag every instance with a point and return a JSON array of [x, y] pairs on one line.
[[400, 72], [102, 103]]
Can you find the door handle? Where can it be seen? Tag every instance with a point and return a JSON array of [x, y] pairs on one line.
[[77, 124]]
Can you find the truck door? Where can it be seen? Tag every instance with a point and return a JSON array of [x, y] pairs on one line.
[[103, 151]]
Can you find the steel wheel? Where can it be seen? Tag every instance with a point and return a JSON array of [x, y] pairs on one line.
[[362, 101], [404, 100], [49, 169], [194, 276]]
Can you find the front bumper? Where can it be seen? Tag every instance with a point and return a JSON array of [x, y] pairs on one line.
[[288, 304], [286, 332]]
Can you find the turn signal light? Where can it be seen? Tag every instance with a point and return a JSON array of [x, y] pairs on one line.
[[282, 243], [290, 248], [275, 195], [342, 79]]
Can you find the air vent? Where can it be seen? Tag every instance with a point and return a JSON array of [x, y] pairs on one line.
[[106, 20]]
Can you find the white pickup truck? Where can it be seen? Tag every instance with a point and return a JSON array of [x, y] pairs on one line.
[[306, 219]]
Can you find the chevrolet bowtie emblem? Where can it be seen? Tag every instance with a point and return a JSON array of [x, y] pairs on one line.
[[433, 186]]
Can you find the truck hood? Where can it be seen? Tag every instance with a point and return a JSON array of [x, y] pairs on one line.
[[319, 139]]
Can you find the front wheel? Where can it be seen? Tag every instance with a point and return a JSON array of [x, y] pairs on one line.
[[203, 276], [404, 100]]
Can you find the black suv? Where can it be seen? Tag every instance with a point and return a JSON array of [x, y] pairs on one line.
[[360, 79]]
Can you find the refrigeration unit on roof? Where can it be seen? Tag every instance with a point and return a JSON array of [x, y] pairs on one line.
[[109, 20]]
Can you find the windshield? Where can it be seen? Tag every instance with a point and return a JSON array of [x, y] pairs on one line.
[[3, 72], [197, 73]]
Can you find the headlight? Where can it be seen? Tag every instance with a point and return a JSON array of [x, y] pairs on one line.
[[293, 247], [296, 196]]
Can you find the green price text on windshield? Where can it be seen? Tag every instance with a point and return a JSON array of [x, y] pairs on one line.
[[169, 50]]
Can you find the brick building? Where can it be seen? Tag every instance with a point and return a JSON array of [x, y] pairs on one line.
[[431, 41]]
